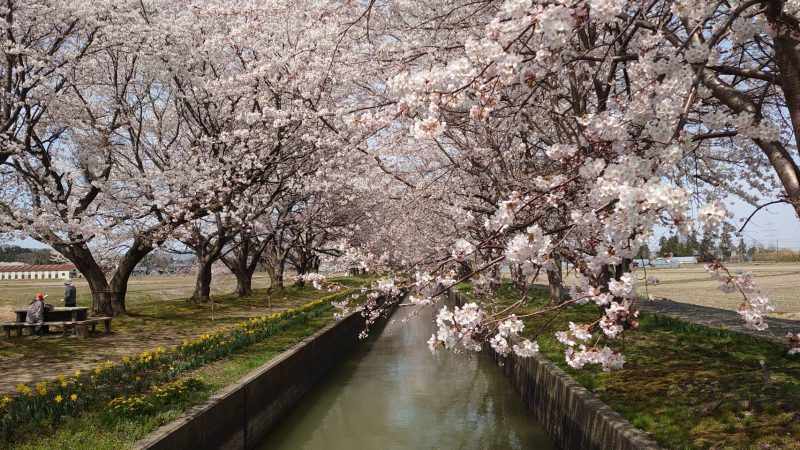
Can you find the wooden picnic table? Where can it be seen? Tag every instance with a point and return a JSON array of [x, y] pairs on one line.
[[71, 317], [63, 314]]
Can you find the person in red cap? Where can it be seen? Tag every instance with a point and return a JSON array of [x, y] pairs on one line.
[[36, 312]]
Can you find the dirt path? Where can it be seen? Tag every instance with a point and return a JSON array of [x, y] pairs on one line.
[[30, 359]]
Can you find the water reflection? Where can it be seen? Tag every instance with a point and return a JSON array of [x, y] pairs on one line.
[[391, 393]]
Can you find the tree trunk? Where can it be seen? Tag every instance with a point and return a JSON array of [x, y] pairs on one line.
[[787, 58], [119, 282], [554, 282], [101, 297], [202, 287], [108, 298], [243, 263], [276, 279], [305, 266], [244, 283], [118, 289]]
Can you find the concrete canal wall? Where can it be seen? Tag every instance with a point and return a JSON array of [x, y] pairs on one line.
[[572, 416], [241, 415]]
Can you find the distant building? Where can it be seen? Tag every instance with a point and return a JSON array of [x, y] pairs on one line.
[[660, 263], [17, 271], [180, 267], [685, 259], [666, 263]]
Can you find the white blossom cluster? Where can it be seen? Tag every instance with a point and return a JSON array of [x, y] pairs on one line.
[[460, 327], [605, 357], [315, 278], [753, 308], [753, 314], [528, 249], [462, 248], [505, 213], [507, 339]]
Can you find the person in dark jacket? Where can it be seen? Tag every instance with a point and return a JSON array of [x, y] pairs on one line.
[[69, 293]]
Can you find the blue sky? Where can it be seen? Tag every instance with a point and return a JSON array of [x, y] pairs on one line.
[[773, 223]]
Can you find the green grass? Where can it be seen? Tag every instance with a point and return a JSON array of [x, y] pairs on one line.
[[102, 429], [141, 289], [99, 427], [688, 385], [157, 320]]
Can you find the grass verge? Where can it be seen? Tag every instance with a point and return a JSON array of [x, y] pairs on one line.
[[688, 385]]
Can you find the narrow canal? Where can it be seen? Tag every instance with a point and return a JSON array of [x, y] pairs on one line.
[[391, 393]]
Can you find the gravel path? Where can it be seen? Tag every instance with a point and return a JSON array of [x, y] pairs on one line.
[[720, 318]]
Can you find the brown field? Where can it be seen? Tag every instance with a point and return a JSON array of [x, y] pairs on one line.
[[141, 289], [691, 284]]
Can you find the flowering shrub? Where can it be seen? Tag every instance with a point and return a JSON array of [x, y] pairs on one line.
[[142, 383], [160, 395]]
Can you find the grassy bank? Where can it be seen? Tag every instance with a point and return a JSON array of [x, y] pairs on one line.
[[121, 401], [689, 386], [112, 430], [152, 323], [142, 290]]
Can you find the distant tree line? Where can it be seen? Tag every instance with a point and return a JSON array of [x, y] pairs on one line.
[[15, 253], [706, 248], [785, 255]]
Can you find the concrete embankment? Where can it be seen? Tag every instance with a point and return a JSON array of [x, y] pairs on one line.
[[241, 415], [572, 416]]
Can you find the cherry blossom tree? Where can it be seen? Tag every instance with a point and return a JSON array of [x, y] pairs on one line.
[[626, 115], [436, 141], [177, 115]]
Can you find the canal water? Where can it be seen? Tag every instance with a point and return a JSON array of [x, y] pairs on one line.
[[391, 393]]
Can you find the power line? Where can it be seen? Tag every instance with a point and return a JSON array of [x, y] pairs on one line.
[[771, 233]]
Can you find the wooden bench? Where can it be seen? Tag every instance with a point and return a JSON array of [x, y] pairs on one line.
[[80, 327], [8, 326]]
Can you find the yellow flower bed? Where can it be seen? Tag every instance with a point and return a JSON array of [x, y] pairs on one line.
[[146, 374]]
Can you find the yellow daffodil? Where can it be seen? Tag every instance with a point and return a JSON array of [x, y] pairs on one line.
[[22, 389], [58, 398], [73, 397]]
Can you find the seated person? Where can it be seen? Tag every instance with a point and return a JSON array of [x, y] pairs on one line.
[[35, 313]]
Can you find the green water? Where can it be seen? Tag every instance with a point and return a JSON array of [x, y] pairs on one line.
[[391, 393]]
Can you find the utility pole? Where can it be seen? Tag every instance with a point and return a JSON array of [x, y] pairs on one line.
[[772, 237]]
